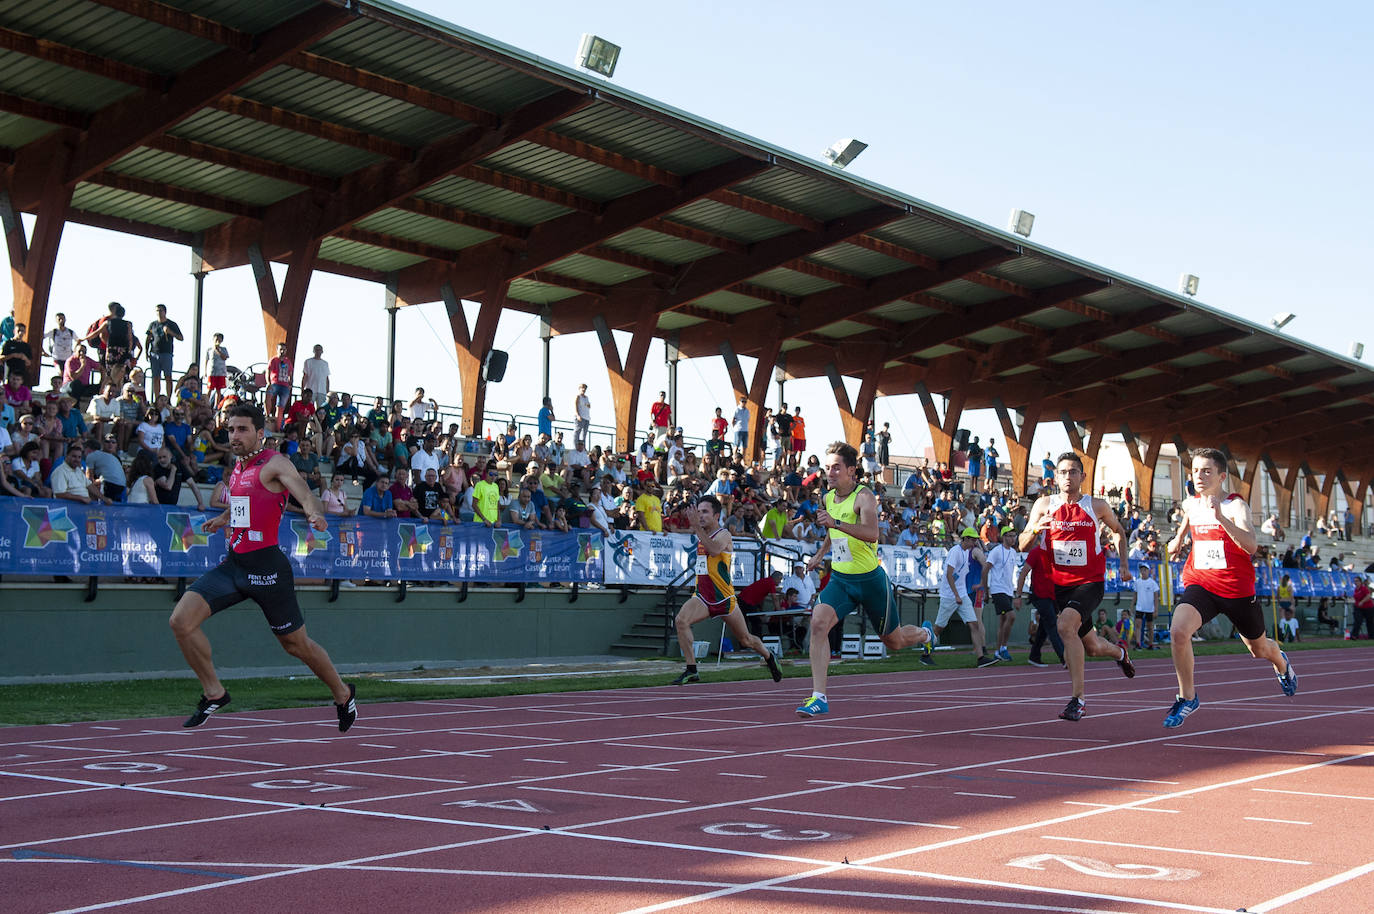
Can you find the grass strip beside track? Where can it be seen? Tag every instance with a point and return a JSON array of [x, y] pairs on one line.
[[67, 702]]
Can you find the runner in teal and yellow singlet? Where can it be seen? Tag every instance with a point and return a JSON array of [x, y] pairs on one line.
[[715, 595], [857, 578]]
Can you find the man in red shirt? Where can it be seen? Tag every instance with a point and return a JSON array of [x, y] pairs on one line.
[[751, 598], [1037, 566], [662, 414], [1218, 580], [279, 372], [1364, 610]]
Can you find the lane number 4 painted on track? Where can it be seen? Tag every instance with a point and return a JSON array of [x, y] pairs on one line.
[[1090, 867]]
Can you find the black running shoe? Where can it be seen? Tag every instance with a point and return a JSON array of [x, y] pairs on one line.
[[1127, 668], [348, 711], [1073, 710], [204, 708], [773, 666], [686, 677], [1036, 661], [988, 660]]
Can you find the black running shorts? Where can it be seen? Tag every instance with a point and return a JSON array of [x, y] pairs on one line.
[[1002, 603], [1244, 612], [1082, 599], [263, 576]]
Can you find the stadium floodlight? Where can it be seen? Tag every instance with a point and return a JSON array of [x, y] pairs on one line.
[[1281, 320], [842, 152], [598, 55], [1187, 284], [1357, 351], [1021, 222]]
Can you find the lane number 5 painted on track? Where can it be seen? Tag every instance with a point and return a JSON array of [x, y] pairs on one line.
[[1090, 867]]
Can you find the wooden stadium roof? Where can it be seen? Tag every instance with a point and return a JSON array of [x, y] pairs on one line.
[[373, 141]]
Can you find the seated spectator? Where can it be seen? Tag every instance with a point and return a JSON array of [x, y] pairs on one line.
[[104, 467], [522, 511], [143, 489], [910, 536], [429, 494], [356, 460], [1105, 629], [1288, 626], [335, 501], [69, 482], [403, 498], [1324, 616], [377, 500], [26, 472]]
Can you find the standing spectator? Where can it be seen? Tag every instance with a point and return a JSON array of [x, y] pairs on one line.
[[1363, 597], [76, 374], [975, 465], [217, 368], [122, 349], [546, 417], [7, 327], [649, 508], [60, 342], [798, 436], [662, 415], [740, 423], [417, 406], [885, 445], [718, 424], [782, 431], [17, 353], [279, 374], [315, 375], [869, 455], [990, 460], [584, 415], [161, 335]]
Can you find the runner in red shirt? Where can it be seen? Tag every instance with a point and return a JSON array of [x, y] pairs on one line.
[[1218, 580], [1038, 566], [254, 568], [1078, 568]]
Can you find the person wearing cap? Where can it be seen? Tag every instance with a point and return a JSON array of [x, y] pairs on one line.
[[955, 599], [999, 573], [857, 578]]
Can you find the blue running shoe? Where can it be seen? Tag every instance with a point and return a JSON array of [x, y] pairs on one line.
[[1181, 709], [812, 707], [1288, 680], [929, 644], [1004, 654]]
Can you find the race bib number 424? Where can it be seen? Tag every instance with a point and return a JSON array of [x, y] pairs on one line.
[[1209, 555]]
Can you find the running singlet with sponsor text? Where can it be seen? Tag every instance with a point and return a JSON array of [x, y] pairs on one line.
[[254, 510], [713, 576], [1216, 563], [1075, 547]]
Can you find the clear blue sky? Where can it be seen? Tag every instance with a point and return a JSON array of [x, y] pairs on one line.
[[1223, 139]]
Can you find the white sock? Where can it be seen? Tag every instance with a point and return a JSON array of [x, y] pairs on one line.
[[1123, 654], [820, 695]]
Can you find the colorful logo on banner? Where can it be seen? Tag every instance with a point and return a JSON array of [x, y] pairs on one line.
[[624, 551], [46, 525], [505, 545], [187, 532], [448, 540], [349, 538], [308, 539], [587, 549], [97, 532], [415, 540]]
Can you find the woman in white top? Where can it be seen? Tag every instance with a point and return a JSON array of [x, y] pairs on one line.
[[335, 501], [142, 491], [150, 431]]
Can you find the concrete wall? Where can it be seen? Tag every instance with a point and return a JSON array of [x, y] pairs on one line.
[[49, 630]]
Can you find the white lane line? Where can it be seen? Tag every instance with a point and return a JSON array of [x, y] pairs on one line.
[[104, 728], [399, 777], [193, 754], [1279, 821], [1178, 850], [842, 758], [545, 761], [616, 796], [1057, 739], [731, 774], [831, 815], [672, 748], [991, 796], [1091, 777], [376, 746], [856, 784], [1248, 749], [1116, 806], [1308, 793], [1274, 904]]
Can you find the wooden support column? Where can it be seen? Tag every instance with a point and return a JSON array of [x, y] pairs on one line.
[[1019, 441], [32, 260], [281, 314], [472, 346], [1323, 502], [1086, 450], [756, 390], [1285, 487], [627, 375], [854, 418], [942, 430], [1144, 463], [1247, 480], [1357, 505]]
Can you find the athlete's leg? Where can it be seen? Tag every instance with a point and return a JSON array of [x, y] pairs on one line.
[[1187, 620], [1004, 624], [1068, 622], [692, 612], [734, 621], [822, 620], [1264, 648], [905, 637], [299, 645], [190, 613], [975, 633], [1094, 645]]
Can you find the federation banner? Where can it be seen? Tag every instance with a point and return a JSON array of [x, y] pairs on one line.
[[69, 538]]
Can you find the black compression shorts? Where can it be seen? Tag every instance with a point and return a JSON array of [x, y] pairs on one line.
[[1082, 599], [1244, 612], [263, 576]]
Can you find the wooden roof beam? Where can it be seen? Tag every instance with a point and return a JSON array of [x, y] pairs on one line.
[[164, 191], [42, 111], [182, 21], [77, 59], [444, 213], [394, 243], [392, 88], [528, 188], [240, 106], [216, 155], [895, 251]]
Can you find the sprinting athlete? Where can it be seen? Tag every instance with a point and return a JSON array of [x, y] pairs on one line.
[[715, 596], [1218, 580], [1078, 568], [857, 578], [254, 568]]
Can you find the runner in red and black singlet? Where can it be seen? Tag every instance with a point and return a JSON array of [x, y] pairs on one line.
[[1218, 580], [1070, 522], [254, 568]]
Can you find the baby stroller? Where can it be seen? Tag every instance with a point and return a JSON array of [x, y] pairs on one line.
[[248, 382]]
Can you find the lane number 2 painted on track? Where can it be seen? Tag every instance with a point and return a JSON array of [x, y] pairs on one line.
[[771, 832], [1090, 867]]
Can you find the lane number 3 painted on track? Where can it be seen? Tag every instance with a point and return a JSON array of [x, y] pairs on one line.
[[1090, 867]]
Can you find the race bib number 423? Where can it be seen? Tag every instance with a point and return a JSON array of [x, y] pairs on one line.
[[1070, 553]]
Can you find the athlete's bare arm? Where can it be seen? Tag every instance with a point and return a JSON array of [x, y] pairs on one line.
[[1236, 523], [1036, 525], [278, 473], [216, 522], [715, 541], [819, 556], [1176, 543], [1108, 517], [865, 528]]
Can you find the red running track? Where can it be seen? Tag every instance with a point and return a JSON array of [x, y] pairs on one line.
[[944, 790]]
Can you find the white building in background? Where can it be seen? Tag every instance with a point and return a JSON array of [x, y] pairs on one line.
[[1116, 471]]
